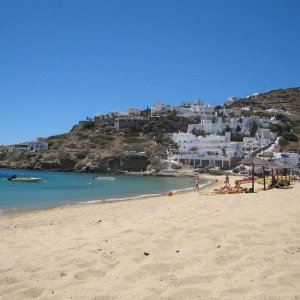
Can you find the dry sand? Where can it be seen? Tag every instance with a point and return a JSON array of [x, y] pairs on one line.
[[244, 246]]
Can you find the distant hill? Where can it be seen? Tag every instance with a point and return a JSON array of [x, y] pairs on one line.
[[284, 99], [287, 100]]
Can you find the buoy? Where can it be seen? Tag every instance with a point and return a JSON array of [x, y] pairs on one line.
[[170, 194]]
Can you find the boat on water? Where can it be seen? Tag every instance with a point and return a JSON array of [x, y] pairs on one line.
[[104, 178], [23, 179], [27, 179]]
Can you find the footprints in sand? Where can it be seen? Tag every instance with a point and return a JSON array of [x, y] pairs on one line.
[[88, 274], [33, 293], [198, 279]]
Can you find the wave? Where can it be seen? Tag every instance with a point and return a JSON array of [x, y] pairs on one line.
[[141, 196]]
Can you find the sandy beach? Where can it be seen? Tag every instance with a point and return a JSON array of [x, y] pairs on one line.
[[187, 246]]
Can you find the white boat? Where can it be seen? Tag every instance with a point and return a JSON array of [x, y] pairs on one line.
[[104, 178]]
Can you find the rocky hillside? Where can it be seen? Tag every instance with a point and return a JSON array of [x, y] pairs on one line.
[[97, 146], [287, 100]]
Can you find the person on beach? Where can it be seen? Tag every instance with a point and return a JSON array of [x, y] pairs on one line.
[[227, 183], [197, 188]]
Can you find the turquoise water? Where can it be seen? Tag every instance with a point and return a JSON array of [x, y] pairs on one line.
[[58, 189]]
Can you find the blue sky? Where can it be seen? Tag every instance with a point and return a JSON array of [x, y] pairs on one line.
[[64, 60]]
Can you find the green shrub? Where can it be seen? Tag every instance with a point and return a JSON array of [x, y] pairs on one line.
[[110, 129], [236, 137], [3, 155], [276, 128], [80, 155], [289, 136], [283, 142], [88, 125]]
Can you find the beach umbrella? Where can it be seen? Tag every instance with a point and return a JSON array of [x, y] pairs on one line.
[[276, 163], [289, 167], [253, 161], [266, 164]]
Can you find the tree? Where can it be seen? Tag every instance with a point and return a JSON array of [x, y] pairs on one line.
[[253, 128], [275, 128], [218, 108]]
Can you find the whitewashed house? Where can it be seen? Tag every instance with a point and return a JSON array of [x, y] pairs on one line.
[[29, 147], [133, 111], [208, 127], [212, 150], [186, 109], [230, 101], [236, 125], [263, 137], [159, 109]]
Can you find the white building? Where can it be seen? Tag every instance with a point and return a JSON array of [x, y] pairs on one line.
[[186, 109], [210, 150], [133, 111], [29, 147], [236, 125], [159, 109], [263, 137], [230, 101]]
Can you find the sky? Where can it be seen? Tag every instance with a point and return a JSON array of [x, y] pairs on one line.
[[64, 60]]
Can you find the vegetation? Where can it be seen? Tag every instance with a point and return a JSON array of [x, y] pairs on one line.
[[253, 128], [235, 137]]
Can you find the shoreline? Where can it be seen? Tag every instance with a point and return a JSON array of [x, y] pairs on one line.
[[188, 246], [210, 183]]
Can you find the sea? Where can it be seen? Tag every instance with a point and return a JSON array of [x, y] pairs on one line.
[[61, 188]]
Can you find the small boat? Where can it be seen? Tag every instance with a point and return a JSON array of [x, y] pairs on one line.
[[23, 179], [104, 178], [26, 179]]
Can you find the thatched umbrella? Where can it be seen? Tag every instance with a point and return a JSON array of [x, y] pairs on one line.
[[255, 161], [289, 167], [276, 163], [266, 164]]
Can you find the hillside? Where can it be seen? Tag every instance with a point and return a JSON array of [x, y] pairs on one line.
[[287, 100], [97, 146]]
